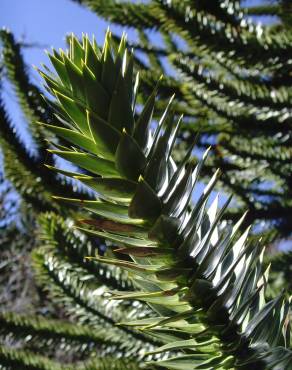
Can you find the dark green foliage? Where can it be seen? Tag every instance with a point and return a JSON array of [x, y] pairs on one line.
[[281, 274], [281, 9], [204, 281], [232, 84], [12, 359], [72, 299], [29, 97], [25, 170], [226, 90], [49, 332], [76, 289]]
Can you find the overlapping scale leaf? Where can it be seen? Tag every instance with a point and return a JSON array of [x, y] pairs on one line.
[[204, 282]]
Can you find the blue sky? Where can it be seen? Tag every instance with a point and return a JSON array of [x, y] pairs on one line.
[[47, 23]]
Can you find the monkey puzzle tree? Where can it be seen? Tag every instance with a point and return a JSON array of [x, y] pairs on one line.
[[233, 84], [203, 282]]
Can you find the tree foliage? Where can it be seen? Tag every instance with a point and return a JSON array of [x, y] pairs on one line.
[[185, 288], [204, 282], [232, 83]]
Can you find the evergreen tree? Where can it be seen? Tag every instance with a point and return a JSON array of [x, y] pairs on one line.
[[232, 83], [204, 284], [70, 320]]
